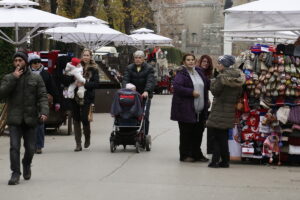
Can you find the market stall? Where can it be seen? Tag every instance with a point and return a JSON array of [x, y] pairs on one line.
[[268, 120]]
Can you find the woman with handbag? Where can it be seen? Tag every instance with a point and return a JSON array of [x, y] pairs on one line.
[[81, 108], [190, 108]]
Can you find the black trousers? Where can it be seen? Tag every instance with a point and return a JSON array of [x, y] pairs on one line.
[[29, 137], [80, 115], [219, 139], [147, 115], [190, 140]]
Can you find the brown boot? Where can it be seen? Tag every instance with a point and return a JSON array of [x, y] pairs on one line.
[[87, 135], [77, 133]]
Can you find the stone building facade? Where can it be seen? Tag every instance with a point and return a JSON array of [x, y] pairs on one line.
[[195, 25]]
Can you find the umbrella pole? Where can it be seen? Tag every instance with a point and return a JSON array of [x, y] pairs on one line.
[[17, 35]]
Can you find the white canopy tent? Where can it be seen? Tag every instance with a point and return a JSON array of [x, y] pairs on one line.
[[19, 13], [263, 18], [145, 36], [92, 33]]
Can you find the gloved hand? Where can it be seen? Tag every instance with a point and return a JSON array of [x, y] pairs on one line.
[[57, 107]]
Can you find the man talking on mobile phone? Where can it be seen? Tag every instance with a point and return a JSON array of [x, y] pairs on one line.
[[26, 97]]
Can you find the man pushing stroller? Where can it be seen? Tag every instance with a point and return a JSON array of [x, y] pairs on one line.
[[141, 75]]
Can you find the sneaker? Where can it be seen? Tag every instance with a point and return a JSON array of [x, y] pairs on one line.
[[14, 180], [26, 172]]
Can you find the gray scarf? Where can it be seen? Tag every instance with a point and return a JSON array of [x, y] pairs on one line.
[[199, 87]]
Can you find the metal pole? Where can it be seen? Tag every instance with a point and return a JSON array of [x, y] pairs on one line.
[[17, 35]]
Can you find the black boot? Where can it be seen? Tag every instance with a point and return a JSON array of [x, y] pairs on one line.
[[77, 133], [87, 135], [224, 164], [26, 172], [14, 180]]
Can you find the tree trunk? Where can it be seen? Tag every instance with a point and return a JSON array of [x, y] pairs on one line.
[[89, 8], [128, 16], [109, 15], [68, 6], [53, 5]]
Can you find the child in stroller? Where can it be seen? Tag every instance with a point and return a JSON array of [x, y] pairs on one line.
[[128, 128]]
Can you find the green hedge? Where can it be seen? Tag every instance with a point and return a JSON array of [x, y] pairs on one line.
[[7, 51], [174, 55]]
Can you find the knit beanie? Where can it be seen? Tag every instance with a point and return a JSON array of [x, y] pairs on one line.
[[33, 57], [22, 55], [226, 60], [75, 61]]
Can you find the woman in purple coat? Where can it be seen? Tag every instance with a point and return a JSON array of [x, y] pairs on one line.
[[190, 108]]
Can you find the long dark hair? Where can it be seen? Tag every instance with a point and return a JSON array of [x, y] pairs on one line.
[[186, 55], [209, 70]]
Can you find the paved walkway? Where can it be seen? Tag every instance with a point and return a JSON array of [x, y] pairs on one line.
[[61, 174]]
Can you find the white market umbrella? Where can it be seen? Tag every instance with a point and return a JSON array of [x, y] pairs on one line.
[[18, 13], [90, 35], [90, 19], [143, 30], [145, 36]]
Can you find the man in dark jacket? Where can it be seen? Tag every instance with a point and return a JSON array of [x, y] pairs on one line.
[[26, 96], [142, 76], [36, 67]]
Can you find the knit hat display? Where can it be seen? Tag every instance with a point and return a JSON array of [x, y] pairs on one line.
[[226, 60], [22, 55], [75, 61]]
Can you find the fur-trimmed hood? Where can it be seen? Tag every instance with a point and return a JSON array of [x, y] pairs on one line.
[[232, 77]]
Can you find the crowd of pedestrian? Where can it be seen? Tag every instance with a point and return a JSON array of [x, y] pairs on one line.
[[31, 91]]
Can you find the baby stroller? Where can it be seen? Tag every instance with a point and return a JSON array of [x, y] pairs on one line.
[[128, 128]]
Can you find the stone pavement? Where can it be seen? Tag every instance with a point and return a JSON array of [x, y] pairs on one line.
[[95, 173]]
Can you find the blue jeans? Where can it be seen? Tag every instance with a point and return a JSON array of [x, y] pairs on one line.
[[29, 136], [40, 136]]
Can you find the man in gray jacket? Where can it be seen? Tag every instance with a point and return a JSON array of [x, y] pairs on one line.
[[26, 96]]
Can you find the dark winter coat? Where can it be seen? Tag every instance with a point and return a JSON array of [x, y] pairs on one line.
[[143, 80], [183, 109], [26, 97], [51, 87], [226, 89]]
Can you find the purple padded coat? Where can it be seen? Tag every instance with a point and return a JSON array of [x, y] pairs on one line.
[[183, 109]]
